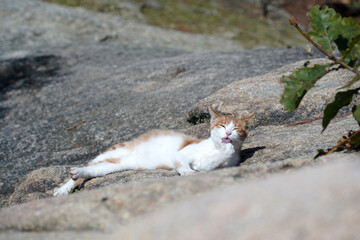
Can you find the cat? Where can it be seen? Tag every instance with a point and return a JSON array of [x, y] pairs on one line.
[[159, 149]]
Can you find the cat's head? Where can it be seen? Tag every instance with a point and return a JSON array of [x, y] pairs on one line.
[[228, 130]]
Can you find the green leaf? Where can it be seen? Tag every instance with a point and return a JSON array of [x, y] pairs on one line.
[[348, 41], [352, 53], [356, 113], [355, 141], [343, 45], [327, 26], [299, 82], [341, 99], [349, 28], [323, 41]]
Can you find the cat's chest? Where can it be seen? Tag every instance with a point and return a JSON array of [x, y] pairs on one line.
[[212, 158]]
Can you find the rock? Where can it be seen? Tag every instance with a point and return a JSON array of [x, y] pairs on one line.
[[311, 203], [261, 95], [70, 91], [89, 105], [269, 137], [21, 69], [122, 203], [113, 206], [38, 25], [38, 184], [66, 97], [280, 142], [101, 94]]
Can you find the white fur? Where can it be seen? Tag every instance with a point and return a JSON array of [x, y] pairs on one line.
[[64, 189], [162, 150]]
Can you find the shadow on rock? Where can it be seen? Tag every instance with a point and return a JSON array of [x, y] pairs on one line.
[[249, 153], [20, 70]]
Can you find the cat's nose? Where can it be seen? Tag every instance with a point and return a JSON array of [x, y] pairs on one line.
[[228, 133]]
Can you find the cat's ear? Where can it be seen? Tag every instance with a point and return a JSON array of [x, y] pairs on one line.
[[214, 115], [246, 120]]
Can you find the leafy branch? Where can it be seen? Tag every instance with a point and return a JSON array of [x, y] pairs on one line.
[[330, 32], [329, 55]]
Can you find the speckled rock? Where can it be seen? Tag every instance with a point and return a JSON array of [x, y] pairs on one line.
[[123, 203], [312, 203], [229, 202], [74, 82], [39, 25], [261, 95]]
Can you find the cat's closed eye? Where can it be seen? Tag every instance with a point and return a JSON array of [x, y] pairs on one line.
[[222, 125]]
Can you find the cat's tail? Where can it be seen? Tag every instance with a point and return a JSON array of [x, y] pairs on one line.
[[67, 186]]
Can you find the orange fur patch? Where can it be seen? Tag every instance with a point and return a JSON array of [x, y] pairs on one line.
[[109, 160], [163, 167], [189, 140], [78, 182], [239, 124], [217, 120], [116, 146], [153, 134], [92, 164], [146, 137], [112, 160]]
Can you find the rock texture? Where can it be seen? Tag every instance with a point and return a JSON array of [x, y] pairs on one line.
[[302, 203], [260, 95], [38, 25], [119, 203], [67, 97], [272, 125], [68, 92], [320, 208], [88, 105]]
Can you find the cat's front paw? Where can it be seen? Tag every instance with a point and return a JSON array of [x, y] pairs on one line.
[[74, 173], [60, 191]]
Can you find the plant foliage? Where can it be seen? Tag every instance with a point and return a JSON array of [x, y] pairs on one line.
[[298, 83], [330, 32]]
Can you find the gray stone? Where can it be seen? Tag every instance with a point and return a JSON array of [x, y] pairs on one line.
[[261, 95], [277, 134], [230, 202], [312, 203], [37, 25], [279, 142], [123, 203], [38, 184], [76, 82], [89, 105], [72, 97]]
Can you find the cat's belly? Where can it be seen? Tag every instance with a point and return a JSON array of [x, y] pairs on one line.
[[156, 152]]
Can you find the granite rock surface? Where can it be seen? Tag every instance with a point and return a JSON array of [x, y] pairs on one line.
[[66, 97], [74, 82]]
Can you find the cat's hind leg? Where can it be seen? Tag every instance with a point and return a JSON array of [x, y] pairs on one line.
[[99, 169], [66, 187]]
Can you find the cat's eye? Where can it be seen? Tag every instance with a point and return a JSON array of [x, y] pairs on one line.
[[222, 125]]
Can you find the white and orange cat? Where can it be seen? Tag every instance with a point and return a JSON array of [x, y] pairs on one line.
[[168, 150]]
